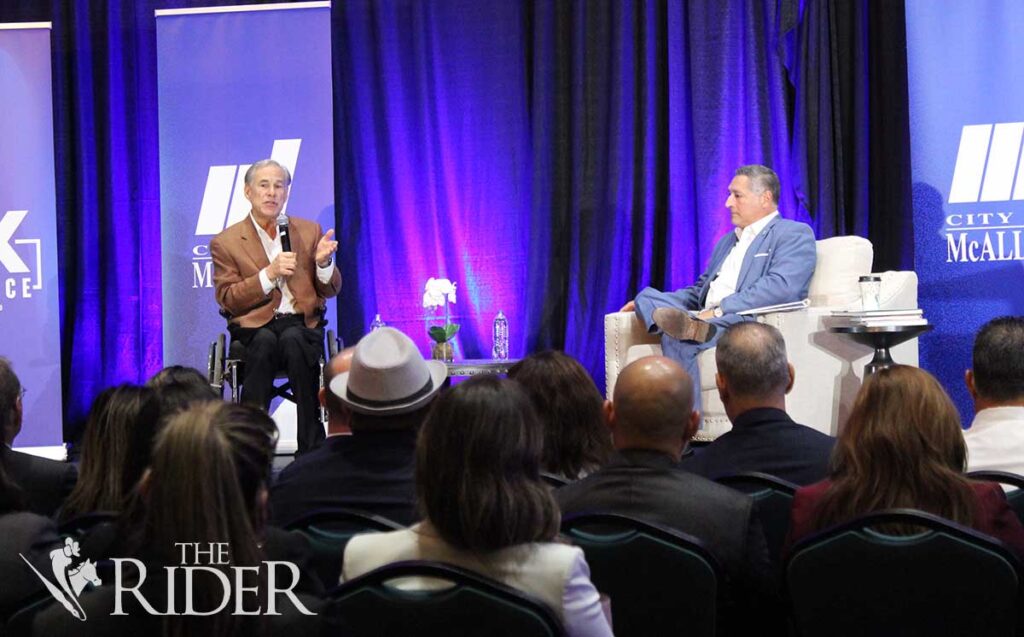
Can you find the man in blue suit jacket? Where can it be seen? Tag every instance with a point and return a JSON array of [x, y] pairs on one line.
[[767, 260]]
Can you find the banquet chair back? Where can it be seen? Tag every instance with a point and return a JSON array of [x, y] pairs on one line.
[[859, 578]]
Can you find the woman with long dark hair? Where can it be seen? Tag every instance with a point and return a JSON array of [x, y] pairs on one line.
[[485, 507], [206, 486], [106, 446], [576, 437], [903, 447]]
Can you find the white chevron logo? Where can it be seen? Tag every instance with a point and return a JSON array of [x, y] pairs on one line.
[[224, 201], [987, 163]]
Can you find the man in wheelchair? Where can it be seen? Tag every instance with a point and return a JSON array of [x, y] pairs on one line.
[[274, 298]]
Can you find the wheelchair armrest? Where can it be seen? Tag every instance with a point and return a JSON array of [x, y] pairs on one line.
[[215, 363], [333, 344]]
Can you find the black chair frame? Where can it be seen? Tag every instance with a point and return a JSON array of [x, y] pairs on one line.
[[931, 523], [768, 492], [553, 480], [328, 542], [608, 529], [363, 519], [409, 609]]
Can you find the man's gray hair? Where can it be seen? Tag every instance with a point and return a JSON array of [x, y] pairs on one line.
[[263, 163], [10, 389], [762, 178], [751, 357]]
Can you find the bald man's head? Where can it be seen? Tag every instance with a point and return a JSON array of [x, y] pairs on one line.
[[653, 404], [338, 414]]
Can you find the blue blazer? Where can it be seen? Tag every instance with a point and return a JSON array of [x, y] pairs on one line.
[[776, 269]]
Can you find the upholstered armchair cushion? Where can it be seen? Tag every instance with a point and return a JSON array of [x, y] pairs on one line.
[[841, 263]]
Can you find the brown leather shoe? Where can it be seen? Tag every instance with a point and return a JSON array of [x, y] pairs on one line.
[[680, 325]]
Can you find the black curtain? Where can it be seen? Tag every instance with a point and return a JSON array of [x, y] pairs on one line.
[[853, 149], [851, 90]]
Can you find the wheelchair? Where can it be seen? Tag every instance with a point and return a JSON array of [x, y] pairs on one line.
[[225, 365]]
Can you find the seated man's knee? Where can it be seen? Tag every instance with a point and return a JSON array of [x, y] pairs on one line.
[[263, 342], [294, 343], [648, 293]]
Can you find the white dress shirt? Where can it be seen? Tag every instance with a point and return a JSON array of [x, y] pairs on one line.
[[273, 248], [995, 441], [728, 275]]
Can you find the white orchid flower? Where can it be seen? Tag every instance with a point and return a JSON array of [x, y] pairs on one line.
[[432, 300], [436, 291]]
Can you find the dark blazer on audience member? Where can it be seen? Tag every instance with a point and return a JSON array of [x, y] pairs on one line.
[[372, 471], [31, 535], [649, 486], [46, 483], [766, 440], [992, 515]]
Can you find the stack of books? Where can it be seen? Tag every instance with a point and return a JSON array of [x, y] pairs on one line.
[[881, 318]]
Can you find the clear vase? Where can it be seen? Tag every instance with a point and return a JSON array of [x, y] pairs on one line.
[[443, 352]]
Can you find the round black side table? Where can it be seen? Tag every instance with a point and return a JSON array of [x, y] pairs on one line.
[[881, 338]]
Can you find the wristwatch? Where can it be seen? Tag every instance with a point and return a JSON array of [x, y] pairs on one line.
[[718, 312]]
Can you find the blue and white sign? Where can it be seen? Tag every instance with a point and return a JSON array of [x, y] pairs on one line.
[[29, 306], [967, 125]]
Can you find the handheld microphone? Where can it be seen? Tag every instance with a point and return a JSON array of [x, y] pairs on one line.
[[282, 231]]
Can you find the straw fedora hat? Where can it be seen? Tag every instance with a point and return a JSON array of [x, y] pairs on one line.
[[388, 375]]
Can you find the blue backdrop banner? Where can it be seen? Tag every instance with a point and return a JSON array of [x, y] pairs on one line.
[[236, 85], [967, 124], [29, 311]]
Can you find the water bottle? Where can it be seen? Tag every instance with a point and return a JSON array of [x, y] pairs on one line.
[[500, 349], [377, 323]]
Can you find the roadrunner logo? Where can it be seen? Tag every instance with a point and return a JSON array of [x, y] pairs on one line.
[[69, 578]]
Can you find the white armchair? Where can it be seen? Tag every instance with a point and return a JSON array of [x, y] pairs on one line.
[[829, 367]]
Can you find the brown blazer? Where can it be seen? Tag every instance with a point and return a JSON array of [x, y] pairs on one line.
[[238, 257]]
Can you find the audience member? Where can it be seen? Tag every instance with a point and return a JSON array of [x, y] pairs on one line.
[[105, 451], [103, 539], [169, 396], [753, 379], [576, 440], [902, 448], [24, 536], [382, 400], [178, 374], [485, 506], [995, 441], [651, 418], [207, 484], [44, 482]]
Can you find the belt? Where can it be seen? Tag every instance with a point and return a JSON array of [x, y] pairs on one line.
[[278, 315]]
